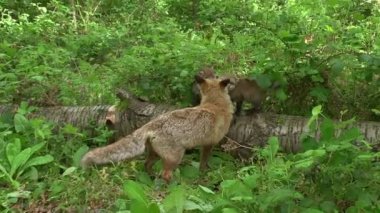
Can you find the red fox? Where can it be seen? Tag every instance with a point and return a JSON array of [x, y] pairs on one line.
[[169, 135]]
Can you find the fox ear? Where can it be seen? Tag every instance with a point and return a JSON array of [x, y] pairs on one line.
[[224, 82], [199, 79]]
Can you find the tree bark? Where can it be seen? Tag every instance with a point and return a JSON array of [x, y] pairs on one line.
[[245, 131]]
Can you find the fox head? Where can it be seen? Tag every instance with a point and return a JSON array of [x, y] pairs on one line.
[[212, 87]]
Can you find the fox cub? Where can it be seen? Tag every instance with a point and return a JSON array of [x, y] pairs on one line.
[[247, 90], [206, 72], [169, 135]]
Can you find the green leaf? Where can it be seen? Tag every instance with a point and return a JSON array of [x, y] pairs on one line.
[[31, 174], [191, 205], [190, 171], [19, 194], [234, 187], [79, 154], [315, 113], [328, 28], [69, 170], [20, 160], [311, 210], [376, 111], [14, 183], [350, 135], [230, 210], [251, 180], [24, 109], [308, 158], [70, 129], [38, 78], [309, 143], [138, 206], [184, 73], [271, 149], [5, 172], [327, 130], [12, 149], [227, 184], [144, 178], [242, 198], [37, 147], [274, 145], [337, 66], [365, 58], [328, 206], [263, 80], [175, 201], [335, 147], [365, 157], [316, 110], [276, 196], [57, 187], [40, 160], [313, 153], [20, 123], [320, 93], [345, 124], [303, 164], [121, 204], [281, 95], [135, 191], [205, 189], [153, 208]]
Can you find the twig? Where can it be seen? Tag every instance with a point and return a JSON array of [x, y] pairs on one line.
[[237, 143]]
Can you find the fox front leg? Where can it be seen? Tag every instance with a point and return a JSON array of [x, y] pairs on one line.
[[196, 100], [239, 105], [205, 155]]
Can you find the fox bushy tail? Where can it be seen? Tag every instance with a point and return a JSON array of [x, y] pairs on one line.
[[126, 148]]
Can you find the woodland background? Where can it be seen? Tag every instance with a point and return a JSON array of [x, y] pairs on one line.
[[63, 53]]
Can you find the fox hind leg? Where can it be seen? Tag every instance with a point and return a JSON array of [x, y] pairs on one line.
[[151, 158], [170, 164]]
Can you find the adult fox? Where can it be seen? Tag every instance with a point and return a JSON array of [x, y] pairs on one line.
[[170, 134], [240, 90]]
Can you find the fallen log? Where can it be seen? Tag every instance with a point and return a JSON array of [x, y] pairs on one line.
[[245, 131]]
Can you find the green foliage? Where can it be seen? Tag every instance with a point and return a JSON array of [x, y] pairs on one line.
[[320, 52], [336, 171], [21, 143], [317, 53]]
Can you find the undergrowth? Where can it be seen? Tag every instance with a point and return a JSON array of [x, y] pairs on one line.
[[78, 52], [336, 173]]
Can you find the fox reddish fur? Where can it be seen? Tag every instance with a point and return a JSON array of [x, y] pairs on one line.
[[169, 135]]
